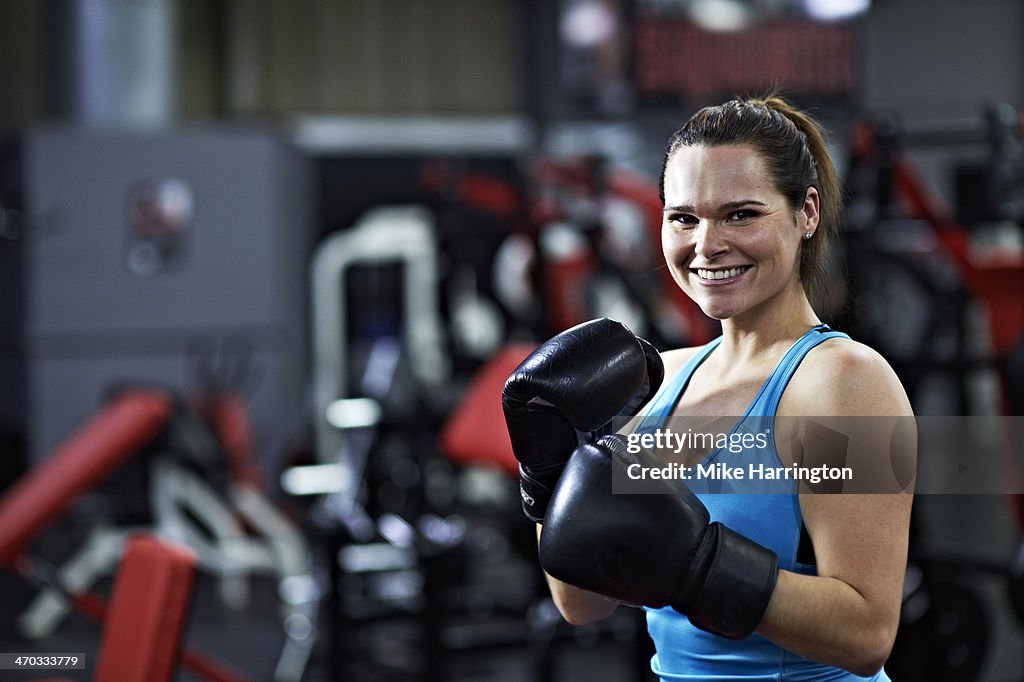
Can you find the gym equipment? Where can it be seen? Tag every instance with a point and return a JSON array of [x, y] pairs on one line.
[[232, 537], [394, 556], [385, 235], [146, 617], [101, 445], [903, 235], [372, 359]]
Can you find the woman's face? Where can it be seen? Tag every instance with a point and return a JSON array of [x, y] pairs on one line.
[[731, 240]]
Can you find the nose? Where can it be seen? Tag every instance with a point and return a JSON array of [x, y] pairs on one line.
[[709, 243]]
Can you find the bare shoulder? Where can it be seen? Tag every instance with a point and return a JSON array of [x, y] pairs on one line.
[[844, 377]]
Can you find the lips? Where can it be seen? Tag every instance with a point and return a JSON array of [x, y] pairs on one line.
[[719, 274]]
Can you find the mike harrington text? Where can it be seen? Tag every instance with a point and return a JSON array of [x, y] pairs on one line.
[[755, 471]]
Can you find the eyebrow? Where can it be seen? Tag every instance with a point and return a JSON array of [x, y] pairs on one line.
[[727, 206]]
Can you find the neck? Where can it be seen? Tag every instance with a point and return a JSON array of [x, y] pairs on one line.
[[780, 320]]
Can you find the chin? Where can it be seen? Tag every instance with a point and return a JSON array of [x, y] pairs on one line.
[[718, 311]]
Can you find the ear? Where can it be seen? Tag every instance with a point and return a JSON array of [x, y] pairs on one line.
[[807, 216]]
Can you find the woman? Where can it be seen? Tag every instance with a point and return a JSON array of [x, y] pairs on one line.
[[751, 203]]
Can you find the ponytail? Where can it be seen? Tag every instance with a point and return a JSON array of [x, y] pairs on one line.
[[815, 254]]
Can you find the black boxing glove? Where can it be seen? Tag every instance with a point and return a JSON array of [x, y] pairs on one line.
[[567, 389], [652, 549]]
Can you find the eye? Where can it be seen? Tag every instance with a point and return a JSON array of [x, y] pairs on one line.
[[684, 220], [742, 216]]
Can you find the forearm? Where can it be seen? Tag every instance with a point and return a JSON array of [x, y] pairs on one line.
[[827, 620], [578, 607]]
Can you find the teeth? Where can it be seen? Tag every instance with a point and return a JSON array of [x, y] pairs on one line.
[[720, 274]]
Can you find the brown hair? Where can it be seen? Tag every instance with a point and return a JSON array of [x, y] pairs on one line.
[[795, 153]]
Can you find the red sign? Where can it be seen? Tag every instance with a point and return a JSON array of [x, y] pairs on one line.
[[675, 58]]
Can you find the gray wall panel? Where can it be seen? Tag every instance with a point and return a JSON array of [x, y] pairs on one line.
[[241, 275], [79, 186]]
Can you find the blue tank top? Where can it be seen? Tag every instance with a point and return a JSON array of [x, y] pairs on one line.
[[685, 652]]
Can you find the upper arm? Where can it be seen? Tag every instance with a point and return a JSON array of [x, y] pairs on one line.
[[859, 537]]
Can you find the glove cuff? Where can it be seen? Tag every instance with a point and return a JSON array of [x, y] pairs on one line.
[[739, 582], [535, 489]]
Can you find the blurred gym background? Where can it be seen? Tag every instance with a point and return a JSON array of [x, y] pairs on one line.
[[264, 266]]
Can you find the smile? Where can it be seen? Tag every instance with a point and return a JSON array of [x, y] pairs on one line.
[[713, 275]]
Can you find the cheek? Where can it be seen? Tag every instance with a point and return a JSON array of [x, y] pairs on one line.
[[783, 251], [677, 250], [674, 245]]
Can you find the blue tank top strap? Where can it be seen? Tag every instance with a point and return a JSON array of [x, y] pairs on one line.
[[767, 401]]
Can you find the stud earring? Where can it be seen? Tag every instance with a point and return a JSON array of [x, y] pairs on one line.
[[807, 235]]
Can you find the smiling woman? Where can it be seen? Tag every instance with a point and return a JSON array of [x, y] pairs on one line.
[[794, 585], [730, 237]]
